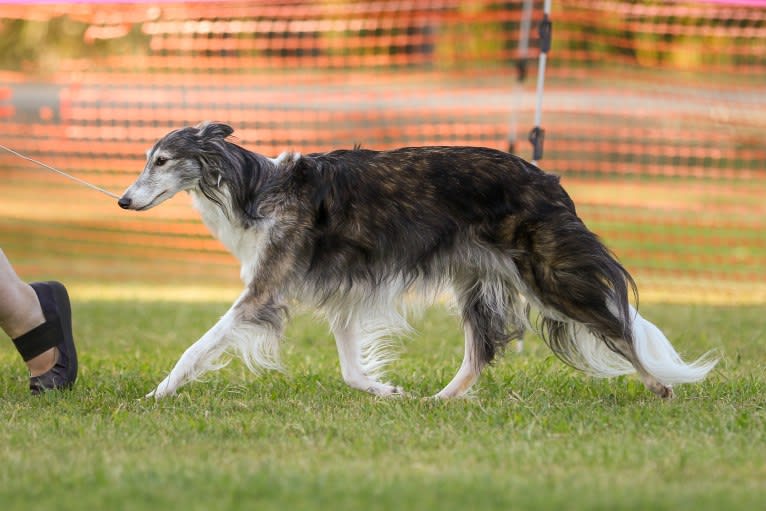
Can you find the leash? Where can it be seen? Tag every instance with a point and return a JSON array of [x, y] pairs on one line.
[[73, 178]]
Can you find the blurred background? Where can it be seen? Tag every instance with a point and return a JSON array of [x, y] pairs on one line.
[[654, 111]]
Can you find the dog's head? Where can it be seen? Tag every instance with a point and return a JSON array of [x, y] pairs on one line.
[[177, 162]]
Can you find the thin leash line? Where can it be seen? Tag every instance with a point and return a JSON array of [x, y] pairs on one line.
[[73, 178]]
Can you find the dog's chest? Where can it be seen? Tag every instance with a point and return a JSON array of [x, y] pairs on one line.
[[245, 244]]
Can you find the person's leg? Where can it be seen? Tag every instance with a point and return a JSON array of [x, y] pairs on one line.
[[20, 312]]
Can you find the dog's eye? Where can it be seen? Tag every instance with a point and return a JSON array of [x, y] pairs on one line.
[[160, 161]]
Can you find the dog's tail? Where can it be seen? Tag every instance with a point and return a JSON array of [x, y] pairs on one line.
[[645, 349], [660, 359], [581, 347], [586, 316]]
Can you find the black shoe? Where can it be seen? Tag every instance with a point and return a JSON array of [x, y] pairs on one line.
[[56, 332]]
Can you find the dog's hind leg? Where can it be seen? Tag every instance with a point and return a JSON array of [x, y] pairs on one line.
[[588, 321], [349, 339], [250, 328], [469, 370], [485, 307]]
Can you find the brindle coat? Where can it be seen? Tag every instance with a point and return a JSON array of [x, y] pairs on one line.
[[351, 231]]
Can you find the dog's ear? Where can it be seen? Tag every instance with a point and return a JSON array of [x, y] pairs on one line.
[[209, 130]]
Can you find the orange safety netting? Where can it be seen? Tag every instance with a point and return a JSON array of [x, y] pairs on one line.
[[654, 114]]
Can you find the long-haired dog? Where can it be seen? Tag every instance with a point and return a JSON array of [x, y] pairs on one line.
[[352, 231]]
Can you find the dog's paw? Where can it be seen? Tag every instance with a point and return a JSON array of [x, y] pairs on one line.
[[659, 389], [385, 390], [159, 394], [666, 392], [447, 395], [164, 389], [375, 387]]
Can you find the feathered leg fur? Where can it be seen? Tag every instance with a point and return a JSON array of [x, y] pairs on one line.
[[360, 364], [251, 329]]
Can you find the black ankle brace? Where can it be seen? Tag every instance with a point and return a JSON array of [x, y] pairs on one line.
[[38, 340], [42, 337]]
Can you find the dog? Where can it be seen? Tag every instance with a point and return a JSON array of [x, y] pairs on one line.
[[351, 232]]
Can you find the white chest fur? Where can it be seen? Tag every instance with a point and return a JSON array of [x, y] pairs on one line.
[[245, 244]]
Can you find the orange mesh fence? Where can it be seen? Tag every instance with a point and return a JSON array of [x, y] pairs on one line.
[[654, 114]]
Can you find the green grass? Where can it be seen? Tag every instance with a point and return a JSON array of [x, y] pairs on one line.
[[536, 435]]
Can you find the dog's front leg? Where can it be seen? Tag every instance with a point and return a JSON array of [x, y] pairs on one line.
[[252, 326], [348, 341], [204, 354]]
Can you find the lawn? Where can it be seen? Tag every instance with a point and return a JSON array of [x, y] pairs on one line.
[[536, 434]]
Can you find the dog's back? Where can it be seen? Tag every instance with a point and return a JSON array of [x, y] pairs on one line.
[[470, 185], [396, 212]]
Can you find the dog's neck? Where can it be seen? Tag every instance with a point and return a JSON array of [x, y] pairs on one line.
[[215, 218], [244, 239], [245, 243]]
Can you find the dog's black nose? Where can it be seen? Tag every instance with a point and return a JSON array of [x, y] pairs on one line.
[[124, 202]]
